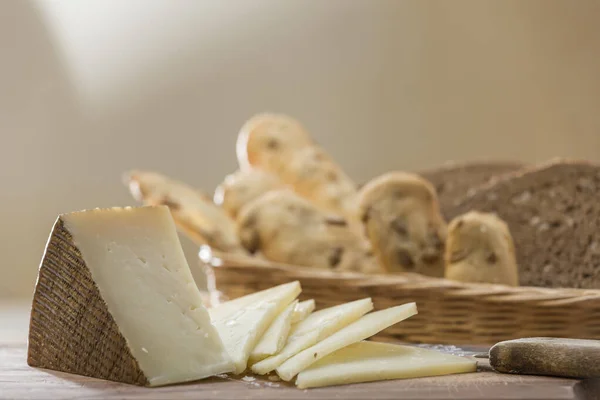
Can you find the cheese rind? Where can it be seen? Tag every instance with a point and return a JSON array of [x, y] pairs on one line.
[[313, 329], [367, 326], [303, 310], [242, 322], [372, 361], [276, 335], [132, 261]]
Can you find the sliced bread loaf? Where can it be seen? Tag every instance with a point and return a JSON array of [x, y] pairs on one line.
[[553, 212], [453, 180]]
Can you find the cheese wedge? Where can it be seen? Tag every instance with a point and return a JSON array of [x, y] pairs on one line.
[[367, 326], [371, 361], [313, 329], [275, 337], [115, 299], [303, 310], [241, 325]]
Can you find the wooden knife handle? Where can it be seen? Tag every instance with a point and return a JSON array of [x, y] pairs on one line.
[[570, 358]]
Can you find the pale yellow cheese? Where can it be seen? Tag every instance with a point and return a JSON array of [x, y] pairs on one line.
[[371, 361], [367, 326], [313, 329], [241, 325], [232, 306], [303, 310], [275, 337], [136, 261]]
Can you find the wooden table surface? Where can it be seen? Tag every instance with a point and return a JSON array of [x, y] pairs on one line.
[[19, 381]]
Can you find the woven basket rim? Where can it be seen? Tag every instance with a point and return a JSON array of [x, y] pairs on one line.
[[489, 292]]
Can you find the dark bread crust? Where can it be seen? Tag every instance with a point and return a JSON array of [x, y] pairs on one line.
[[453, 180], [553, 213]]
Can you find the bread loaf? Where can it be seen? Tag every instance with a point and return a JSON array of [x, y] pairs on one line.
[[452, 181], [552, 211], [402, 219]]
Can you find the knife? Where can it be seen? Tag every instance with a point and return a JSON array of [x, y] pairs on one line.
[[568, 358]]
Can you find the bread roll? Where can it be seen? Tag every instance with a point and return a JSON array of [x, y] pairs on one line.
[[401, 215], [242, 187], [316, 177], [268, 140], [479, 248], [194, 212], [280, 145], [286, 228]]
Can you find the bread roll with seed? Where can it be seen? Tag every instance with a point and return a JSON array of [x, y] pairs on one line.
[[194, 212], [402, 219], [242, 187], [287, 228], [316, 177], [280, 145], [268, 140], [480, 248]]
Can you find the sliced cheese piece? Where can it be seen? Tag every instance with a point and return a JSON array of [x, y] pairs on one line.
[[371, 361], [367, 326], [241, 326], [303, 310], [115, 299], [232, 306], [313, 329], [275, 337]]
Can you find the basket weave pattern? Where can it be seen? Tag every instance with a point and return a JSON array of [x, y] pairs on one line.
[[449, 312]]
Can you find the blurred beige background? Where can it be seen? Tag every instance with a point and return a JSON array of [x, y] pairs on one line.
[[91, 89]]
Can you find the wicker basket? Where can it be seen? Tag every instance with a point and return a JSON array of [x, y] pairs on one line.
[[449, 312]]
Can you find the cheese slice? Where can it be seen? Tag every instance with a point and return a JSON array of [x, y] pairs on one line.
[[115, 299], [303, 310], [313, 329], [275, 336], [371, 361], [241, 323], [364, 328], [232, 306]]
